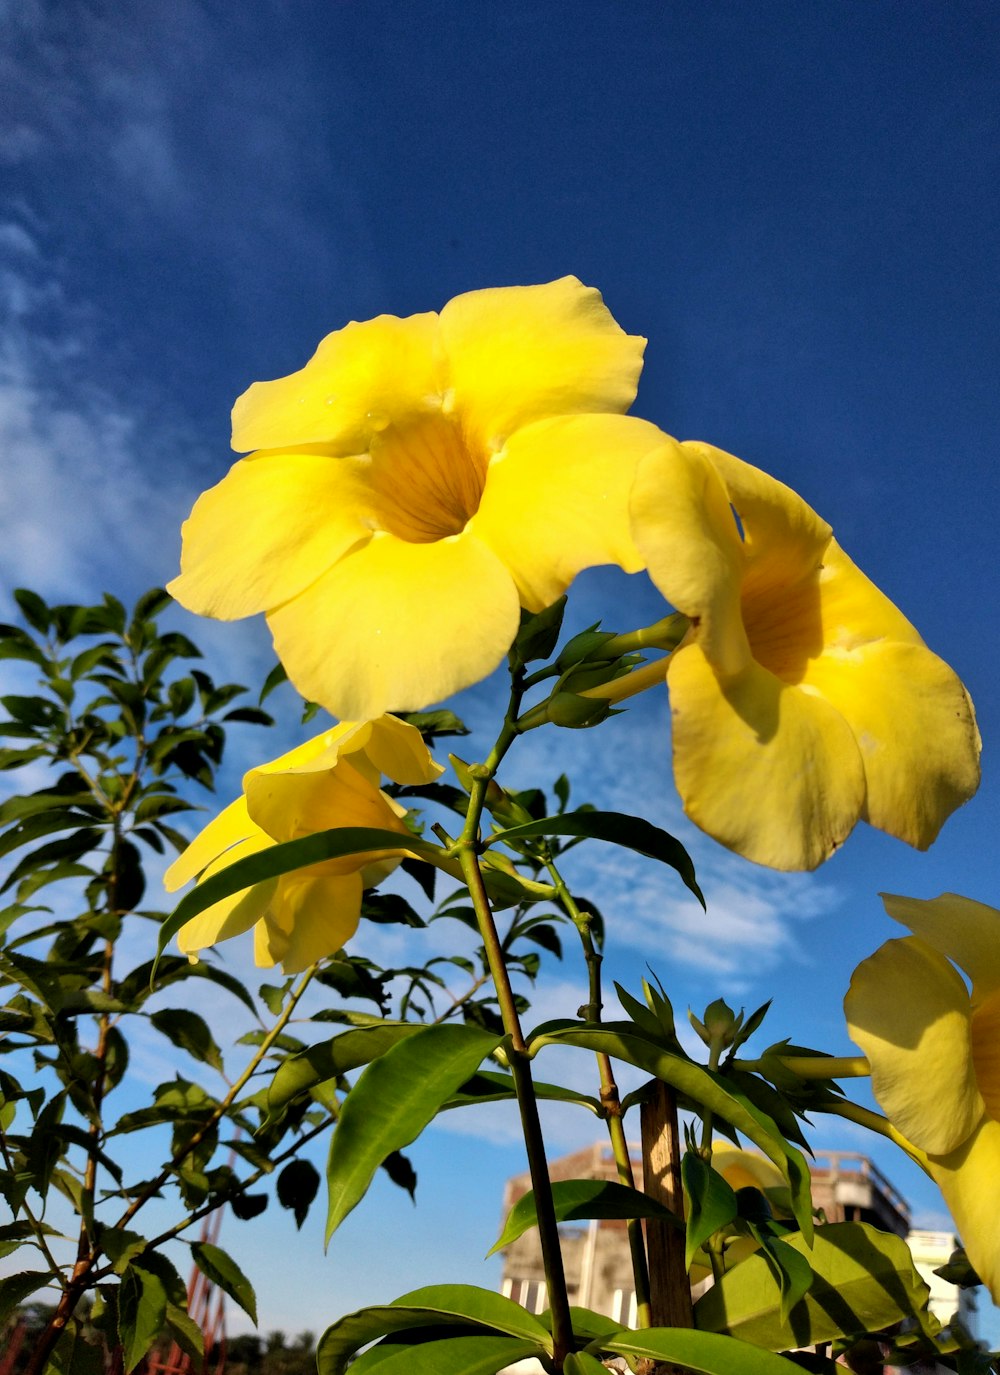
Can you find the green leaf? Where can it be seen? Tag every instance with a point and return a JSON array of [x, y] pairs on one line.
[[142, 1307], [863, 1280], [578, 1199], [460, 1305], [186, 1332], [33, 609], [298, 1185], [330, 1059], [222, 1270], [583, 1363], [697, 1084], [14, 1289], [393, 1101], [704, 1353], [790, 1268], [711, 1202], [631, 832], [121, 1246], [190, 1032], [488, 1086], [283, 859], [477, 1355]]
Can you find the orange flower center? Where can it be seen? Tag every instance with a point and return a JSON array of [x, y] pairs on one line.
[[783, 623], [426, 481], [986, 1052]]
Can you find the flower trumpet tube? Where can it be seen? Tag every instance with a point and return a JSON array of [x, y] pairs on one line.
[[330, 781], [801, 699], [417, 483], [934, 1050]]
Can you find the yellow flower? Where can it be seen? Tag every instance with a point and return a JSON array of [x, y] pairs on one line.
[[934, 1052], [802, 700], [416, 483], [331, 780]]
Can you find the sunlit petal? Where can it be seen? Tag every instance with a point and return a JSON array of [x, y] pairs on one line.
[[684, 530], [909, 1012], [359, 379], [229, 828], [290, 805], [915, 728], [404, 625], [398, 750], [556, 500], [271, 526], [518, 354], [769, 771], [969, 1179], [967, 932]]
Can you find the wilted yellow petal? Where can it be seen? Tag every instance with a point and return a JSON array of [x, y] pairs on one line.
[[909, 1012], [969, 1179], [968, 932], [360, 379], [684, 530], [517, 354], [556, 500], [403, 625], [769, 771]]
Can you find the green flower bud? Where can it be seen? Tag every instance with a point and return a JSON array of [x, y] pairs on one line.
[[569, 709]]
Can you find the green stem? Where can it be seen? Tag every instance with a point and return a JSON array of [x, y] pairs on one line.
[[610, 1098], [468, 850], [666, 634], [874, 1122]]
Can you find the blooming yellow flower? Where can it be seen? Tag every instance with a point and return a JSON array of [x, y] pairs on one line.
[[331, 780], [415, 484], [802, 700], [934, 1051]]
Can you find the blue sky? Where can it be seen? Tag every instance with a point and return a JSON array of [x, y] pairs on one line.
[[796, 204]]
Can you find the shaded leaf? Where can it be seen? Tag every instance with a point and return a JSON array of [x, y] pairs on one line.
[[863, 1280], [190, 1032], [298, 1184], [631, 832], [704, 1353], [711, 1202], [330, 1059], [222, 1270], [580, 1199], [477, 1355]]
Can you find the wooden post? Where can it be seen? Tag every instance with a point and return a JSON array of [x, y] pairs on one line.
[[669, 1286]]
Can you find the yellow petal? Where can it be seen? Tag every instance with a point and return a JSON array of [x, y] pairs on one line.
[[854, 610], [290, 805], [360, 379], [271, 526], [784, 537], [230, 827], [746, 1170], [322, 752], [766, 769], [310, 918], [909, 1012], [556, 500], [398, 751], [685, 532], [967, 932], [233, 915], [403, 625], [915, 728], [986, 1051], [522, 353], [969, 1179]]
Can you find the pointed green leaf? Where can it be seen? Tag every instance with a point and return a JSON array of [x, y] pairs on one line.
[[616, 828], [461, 1305], [142, 1307], [330, 1059], [479, 1355], [696, 1083], [863, 1280], [489, 1086], [711, 1202], [579, 1199], [190, 1032], [221, 1269], [583, 1363], [14, 1289], [393, 1101], [703, 1353], [283, 859], [790, 1268]]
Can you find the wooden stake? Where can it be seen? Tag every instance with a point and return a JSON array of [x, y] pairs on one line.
[[669, 1286]]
